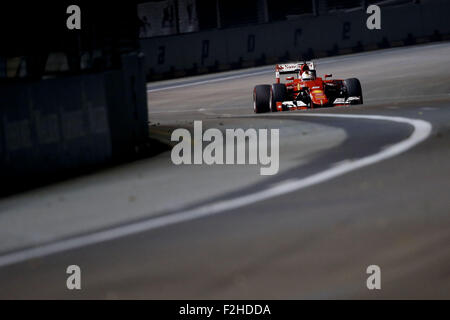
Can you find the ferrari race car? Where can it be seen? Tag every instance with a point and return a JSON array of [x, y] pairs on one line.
[[303, 90]]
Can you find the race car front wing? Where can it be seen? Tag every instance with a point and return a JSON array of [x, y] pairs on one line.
[[300, 105]]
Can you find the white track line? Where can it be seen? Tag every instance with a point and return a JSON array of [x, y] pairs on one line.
[[422, 130], [238, 76], [270, 70], [196, 83]]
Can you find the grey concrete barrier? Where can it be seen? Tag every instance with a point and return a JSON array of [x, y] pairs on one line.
[[54, 126], [308, 36], [126, 98]]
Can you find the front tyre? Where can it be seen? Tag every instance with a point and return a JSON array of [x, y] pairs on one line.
[[262, 98], [279, 94], [353, 87]]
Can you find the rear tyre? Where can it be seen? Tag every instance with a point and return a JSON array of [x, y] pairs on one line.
[[262, 98], [353, 87], [279, 94]]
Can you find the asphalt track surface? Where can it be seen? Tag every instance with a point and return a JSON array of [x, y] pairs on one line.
[[357, 186]]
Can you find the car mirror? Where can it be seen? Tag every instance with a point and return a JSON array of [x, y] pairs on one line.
[[290, 78], [329, 75]]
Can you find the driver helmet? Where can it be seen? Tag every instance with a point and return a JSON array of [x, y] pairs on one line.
[[307, 75]]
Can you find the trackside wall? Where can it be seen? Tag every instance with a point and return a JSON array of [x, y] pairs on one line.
[[307, 37], [57, 125]]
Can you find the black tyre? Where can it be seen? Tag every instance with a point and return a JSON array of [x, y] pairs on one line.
[[353, 87], [279, 94], [262, 98]]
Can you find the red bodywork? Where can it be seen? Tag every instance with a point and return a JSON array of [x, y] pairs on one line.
[[316, 88]]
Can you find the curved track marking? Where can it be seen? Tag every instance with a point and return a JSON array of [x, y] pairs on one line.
[[422, 130]]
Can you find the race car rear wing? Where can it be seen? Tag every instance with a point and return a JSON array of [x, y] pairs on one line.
[[291, 68]]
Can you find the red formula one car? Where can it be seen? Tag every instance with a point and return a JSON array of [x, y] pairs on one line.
[[304, 90]]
